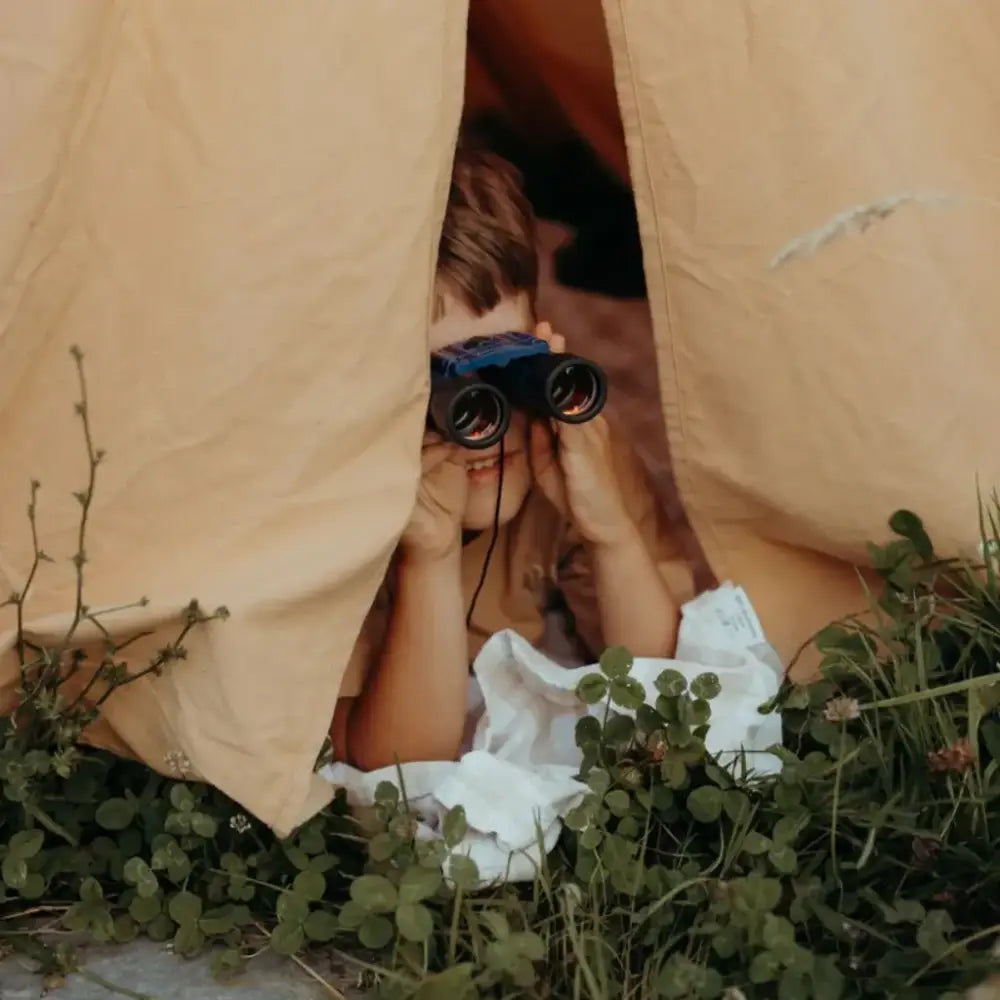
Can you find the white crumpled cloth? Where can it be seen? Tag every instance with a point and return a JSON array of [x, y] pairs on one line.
[[516, 780]]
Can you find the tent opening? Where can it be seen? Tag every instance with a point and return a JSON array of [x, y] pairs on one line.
[[540, 89]]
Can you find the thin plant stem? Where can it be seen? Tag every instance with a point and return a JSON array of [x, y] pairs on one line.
[[85, 497], [37, 557]]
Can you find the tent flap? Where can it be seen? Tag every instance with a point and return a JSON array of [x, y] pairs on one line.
[[807, 402], [233, 209]]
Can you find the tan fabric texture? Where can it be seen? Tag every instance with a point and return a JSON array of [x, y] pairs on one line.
[[233, 207], [535, 553], [805, 404]]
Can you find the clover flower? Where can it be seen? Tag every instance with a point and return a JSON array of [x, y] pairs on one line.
[[841, 709]]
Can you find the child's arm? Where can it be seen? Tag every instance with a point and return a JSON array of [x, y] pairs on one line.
[[616, 572], [413, 703], [611, 573], [634, 603]]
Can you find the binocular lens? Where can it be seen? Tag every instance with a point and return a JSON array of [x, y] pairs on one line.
[[468, 412], [478, 414], [575, 390]]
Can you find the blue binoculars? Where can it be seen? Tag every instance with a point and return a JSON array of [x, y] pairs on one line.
[[477, 383]]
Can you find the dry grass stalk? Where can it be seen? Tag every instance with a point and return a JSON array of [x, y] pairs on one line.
[[858, 218]]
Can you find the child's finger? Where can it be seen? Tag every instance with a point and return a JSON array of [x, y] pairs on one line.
[[574, 437], [436, 454], [543, 434], [544, 465], [556, 341]]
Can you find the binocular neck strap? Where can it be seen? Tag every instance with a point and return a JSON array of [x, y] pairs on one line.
[[493, 541]]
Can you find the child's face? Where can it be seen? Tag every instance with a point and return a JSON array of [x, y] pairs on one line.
[[456, 324]]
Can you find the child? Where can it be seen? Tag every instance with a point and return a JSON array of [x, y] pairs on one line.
[[579, 519]]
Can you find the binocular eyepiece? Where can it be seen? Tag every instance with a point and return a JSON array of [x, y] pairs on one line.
[[476, 384]]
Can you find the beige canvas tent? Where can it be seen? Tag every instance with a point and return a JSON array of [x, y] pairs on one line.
[[233, 205]]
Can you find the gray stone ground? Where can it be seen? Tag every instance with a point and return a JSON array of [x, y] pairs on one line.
[[147, 969]]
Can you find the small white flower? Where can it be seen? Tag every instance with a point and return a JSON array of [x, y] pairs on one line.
[[841, 709], [178, 763], [240, 823], [734, 993]]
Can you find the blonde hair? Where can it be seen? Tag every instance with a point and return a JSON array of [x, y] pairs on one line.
[[487, 249]]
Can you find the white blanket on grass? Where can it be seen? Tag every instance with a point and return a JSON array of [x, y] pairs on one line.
[[517, 778]]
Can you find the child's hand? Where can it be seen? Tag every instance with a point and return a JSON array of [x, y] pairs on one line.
[[435, 527], [580, 481]]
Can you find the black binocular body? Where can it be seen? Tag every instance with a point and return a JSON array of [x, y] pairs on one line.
[[476, 384]]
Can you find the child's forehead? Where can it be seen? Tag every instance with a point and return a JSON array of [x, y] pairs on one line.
[[457, 322]]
